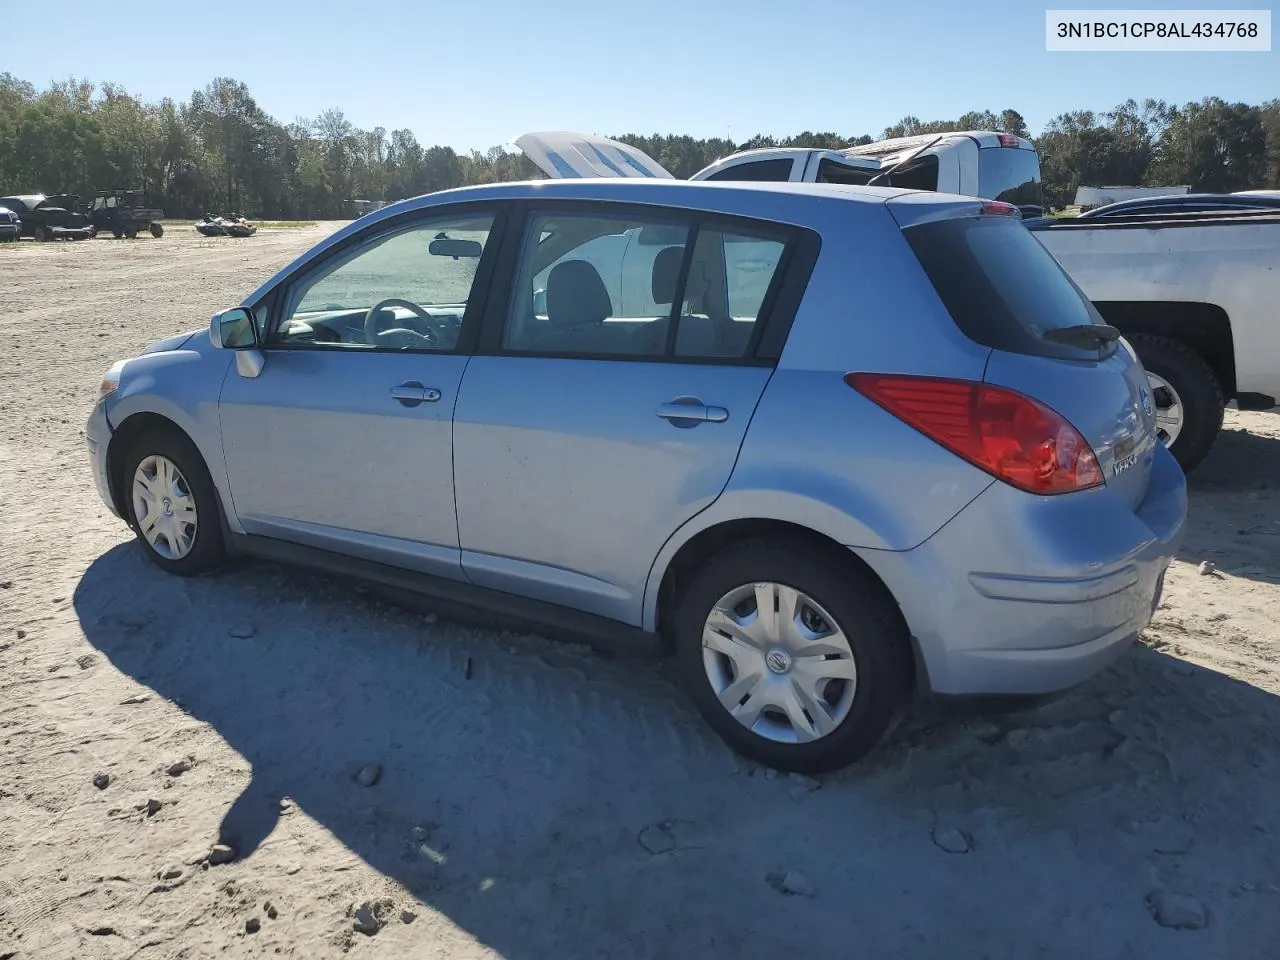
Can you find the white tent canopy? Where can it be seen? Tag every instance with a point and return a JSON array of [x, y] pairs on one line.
[[564, 155]]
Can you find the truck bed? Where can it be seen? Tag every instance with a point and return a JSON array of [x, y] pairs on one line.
[[1229, 262]]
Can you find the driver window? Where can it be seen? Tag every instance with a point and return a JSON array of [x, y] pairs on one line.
[[403, 290]]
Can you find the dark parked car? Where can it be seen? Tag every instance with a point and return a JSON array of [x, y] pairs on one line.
[[1184, 203], [44, 219], [124, 213], [10, 224]]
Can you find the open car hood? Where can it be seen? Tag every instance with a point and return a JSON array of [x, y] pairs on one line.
[[563, 155]]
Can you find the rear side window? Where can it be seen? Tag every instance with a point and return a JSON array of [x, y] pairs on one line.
[[918, 174], [832, 171], [1012, 175], [621, 283], [1001, 287], [768, 171]]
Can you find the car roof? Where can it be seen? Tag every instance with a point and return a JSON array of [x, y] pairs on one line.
[[790, 202], [984, 138], [638, 190]]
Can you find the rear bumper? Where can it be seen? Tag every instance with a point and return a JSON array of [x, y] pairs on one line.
[[1022, 595]]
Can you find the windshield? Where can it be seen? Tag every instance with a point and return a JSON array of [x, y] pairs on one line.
[[1012, 175], [1001, 287]]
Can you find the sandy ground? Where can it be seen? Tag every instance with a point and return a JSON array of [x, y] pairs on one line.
[[537, 800]]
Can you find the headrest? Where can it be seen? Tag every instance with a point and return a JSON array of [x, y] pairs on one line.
[[576, 295]]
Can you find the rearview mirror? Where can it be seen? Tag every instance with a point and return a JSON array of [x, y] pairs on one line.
[[233, 329], [448, 247]]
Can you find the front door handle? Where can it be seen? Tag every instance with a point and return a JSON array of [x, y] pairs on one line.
[[411, 393], [690, 411]]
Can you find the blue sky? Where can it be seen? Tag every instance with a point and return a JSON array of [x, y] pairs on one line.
[[473, 73]]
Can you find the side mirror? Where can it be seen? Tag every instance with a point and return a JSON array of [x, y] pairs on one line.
[[233, 329]]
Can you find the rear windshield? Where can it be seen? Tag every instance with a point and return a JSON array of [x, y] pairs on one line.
[[1012, 175], [1002, 288]]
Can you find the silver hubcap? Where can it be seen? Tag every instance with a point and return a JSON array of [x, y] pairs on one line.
[[779, 663], [164, 507], [1169, 411]]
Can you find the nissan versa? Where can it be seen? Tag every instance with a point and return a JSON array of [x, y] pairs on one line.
[[830, 445]]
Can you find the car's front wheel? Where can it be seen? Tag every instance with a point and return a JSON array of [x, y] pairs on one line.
[[172, 503], [795, 656]]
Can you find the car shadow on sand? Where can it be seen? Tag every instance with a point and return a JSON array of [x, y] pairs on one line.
[[1235, 507], [554, 803]]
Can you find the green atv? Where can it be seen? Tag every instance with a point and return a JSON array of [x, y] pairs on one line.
[[123, 214]]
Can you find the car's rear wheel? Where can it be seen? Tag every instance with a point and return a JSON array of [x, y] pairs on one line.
[[41, 234], [157, 230], [131, 233], [117, 232], [795, 656], [172, 503]]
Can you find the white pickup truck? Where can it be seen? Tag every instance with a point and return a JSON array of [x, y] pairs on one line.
[[1197, 296]]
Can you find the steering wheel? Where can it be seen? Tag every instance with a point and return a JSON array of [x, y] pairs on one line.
[[435, 330]]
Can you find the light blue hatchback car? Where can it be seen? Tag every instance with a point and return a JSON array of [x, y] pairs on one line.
[[831, 445]]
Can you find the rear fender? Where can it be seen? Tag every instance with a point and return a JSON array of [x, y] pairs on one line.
[[848, 515]]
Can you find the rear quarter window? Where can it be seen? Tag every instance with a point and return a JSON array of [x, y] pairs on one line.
[[768, 171], [1010, 174], [918, 174], [1001, 287]]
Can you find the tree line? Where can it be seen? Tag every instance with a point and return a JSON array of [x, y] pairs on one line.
[[218, 151]]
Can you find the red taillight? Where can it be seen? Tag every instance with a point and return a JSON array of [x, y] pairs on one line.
[[1007, 140], [999, 208], [1010, 436]]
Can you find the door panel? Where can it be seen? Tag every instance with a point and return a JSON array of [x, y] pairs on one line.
[[344, 440], [319, 451], [569, 481]]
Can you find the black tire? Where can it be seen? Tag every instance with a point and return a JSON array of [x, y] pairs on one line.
[[117, 232], [157, 230], [131, 233], [207, 552], [40, 234], [862, 609], [1198, 387]]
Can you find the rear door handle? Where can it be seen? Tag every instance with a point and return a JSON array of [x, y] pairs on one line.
[[411, 393], [689, 411]]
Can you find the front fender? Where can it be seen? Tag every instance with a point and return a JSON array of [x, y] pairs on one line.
[[182, 386]]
